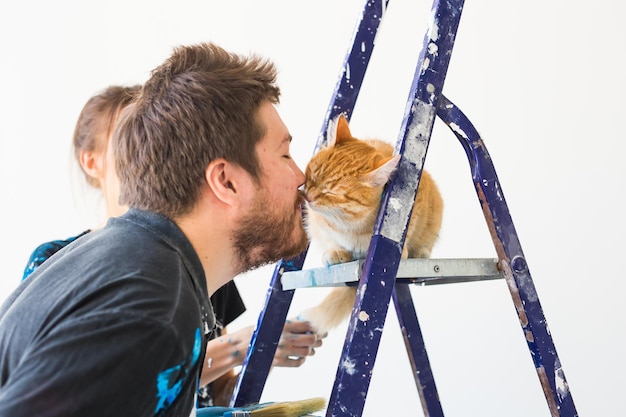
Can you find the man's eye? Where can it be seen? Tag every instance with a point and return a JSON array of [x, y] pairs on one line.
[[287, 156]]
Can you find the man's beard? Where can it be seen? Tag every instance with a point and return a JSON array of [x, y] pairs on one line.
[[266, 235]]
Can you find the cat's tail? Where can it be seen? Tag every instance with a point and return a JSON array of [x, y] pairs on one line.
[[331, 311]]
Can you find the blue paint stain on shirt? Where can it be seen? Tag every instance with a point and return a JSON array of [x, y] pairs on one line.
[[46, 250], [170, 381]]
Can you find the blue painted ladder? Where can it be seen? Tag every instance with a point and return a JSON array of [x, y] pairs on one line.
[[379, 281]]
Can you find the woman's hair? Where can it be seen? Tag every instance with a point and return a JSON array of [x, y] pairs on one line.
[[201, 104], [97, 120]]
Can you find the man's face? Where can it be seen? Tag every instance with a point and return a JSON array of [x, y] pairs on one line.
[[272, 227]]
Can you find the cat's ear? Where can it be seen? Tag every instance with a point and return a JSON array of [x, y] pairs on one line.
[[343, 129], [381, 175], [338, 131]]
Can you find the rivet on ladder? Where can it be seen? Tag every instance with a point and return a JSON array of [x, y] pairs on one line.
[[518, 264]]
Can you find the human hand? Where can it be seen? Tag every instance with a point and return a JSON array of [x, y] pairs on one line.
[[225, 353], [297, 341]]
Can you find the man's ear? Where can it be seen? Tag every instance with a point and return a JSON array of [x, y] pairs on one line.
[[223, 177]]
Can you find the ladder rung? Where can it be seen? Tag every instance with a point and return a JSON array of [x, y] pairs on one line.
[[416, 271]]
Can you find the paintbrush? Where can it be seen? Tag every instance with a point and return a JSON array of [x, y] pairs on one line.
[[271, 409]]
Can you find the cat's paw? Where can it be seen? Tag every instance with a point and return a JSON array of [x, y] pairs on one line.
[[336, 256], [322, 320], [316, 319], [423, 252]]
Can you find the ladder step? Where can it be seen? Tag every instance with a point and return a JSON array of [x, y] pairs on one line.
[[416, 271]]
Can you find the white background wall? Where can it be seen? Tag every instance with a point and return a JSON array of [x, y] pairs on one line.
[[542, 81]]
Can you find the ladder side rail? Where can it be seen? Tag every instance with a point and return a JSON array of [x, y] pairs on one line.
[[256, 366], [378, 277], [416, 349], [260, 355], [512, 262], [354, 66]]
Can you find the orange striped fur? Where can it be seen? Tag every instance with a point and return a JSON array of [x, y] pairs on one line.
[[344, 185]]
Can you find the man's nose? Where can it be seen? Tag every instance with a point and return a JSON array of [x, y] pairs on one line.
[[299, 175]]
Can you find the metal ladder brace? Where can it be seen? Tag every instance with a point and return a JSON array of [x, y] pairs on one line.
[[382, 275]]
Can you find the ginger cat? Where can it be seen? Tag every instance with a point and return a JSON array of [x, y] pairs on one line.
[[344, 185]]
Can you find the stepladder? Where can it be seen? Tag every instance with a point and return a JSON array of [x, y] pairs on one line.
[[383, 278]]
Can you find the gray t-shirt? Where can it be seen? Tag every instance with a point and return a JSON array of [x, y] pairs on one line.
[[115, 323]]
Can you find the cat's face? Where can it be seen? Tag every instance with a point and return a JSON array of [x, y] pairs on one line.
[[344, 180]]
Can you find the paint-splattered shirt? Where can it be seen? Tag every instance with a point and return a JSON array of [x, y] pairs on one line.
[[113, 324], [226, 301]]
